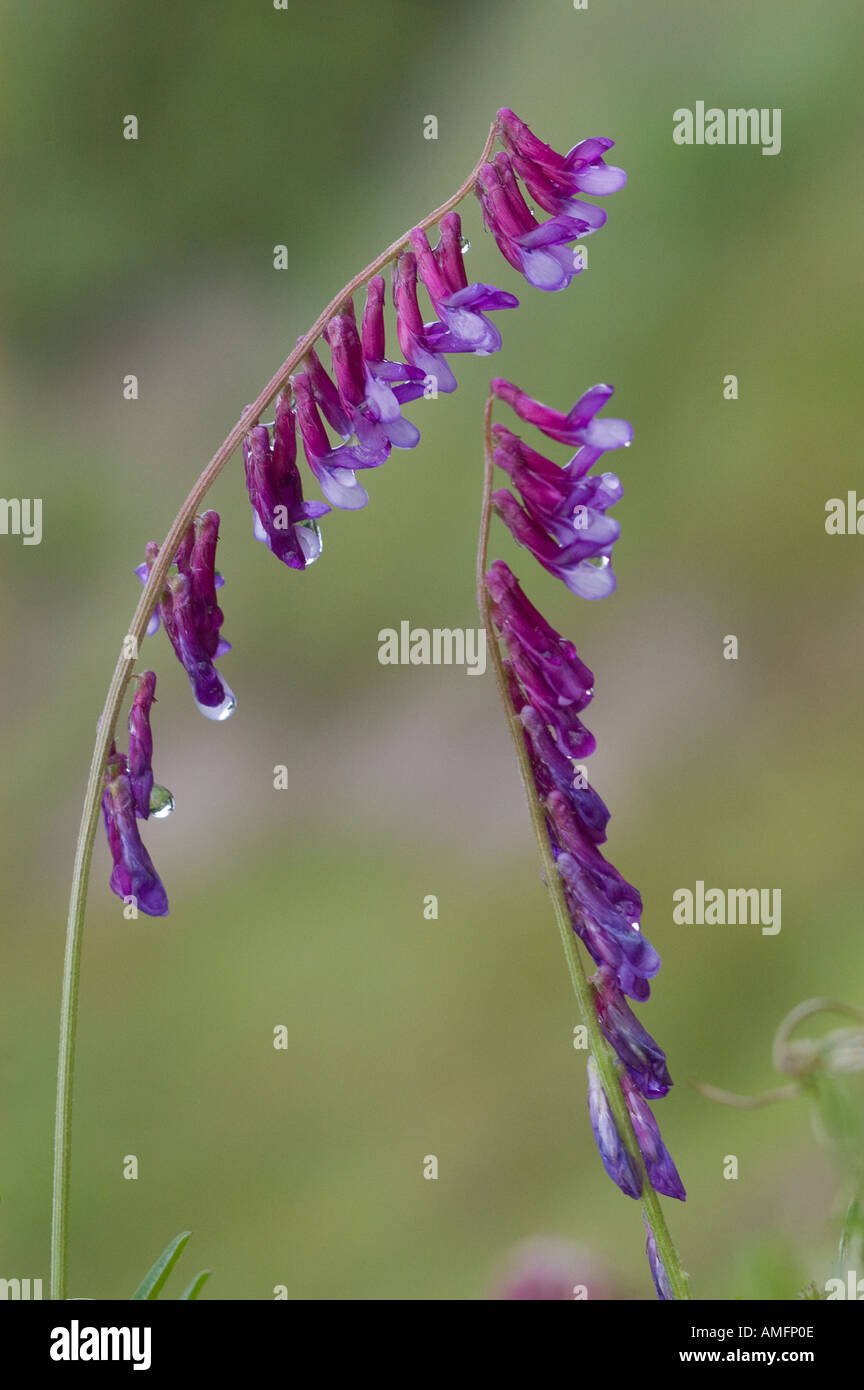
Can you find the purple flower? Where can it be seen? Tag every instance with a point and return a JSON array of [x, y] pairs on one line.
[[517, 617], [406, 382], [644, 1059], [560, 499], [326, 393], [662, 1173], [605, 890], [334, 468], [369, 403], [572, 563], [655, 1264], [193, 618], [281, 518], [577, 427], [617, 1159], [133, 875], [607, 931], [554, 179], [411, 331], [538, 250], [586, 804], [140, 763], [562, 518], [461, 308]]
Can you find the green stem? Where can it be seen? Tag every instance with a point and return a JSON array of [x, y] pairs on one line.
[[581, 988], [108, 720]]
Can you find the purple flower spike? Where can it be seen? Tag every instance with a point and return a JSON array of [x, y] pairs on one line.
[[644, 1059], [281, 518], [538, 250], [655, 1264], [617, 1159], [578, 426], [193, 618], [133, 875], [662, 1172], [141, 743], [334, 468], [410, 329]]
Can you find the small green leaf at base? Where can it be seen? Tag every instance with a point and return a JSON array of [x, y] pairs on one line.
[[154, 1280], [197, 1285]]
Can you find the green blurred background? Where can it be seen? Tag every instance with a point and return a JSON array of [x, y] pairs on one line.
[[304, 907]]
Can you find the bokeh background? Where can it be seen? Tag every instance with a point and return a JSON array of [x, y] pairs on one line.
[[304, 907]]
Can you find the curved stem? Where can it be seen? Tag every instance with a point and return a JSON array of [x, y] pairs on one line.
[[581, 988], [108, 719]]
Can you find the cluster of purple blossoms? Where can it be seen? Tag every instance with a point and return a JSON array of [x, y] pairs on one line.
[[559, 514], [348, 413], [359, 398]]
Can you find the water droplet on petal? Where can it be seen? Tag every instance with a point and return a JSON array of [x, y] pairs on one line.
[[161, 802], [465, 245], [222, 711], [310, 539]]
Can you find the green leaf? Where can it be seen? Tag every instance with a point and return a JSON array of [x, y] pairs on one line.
[[154, 1280], [197, 1284]]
